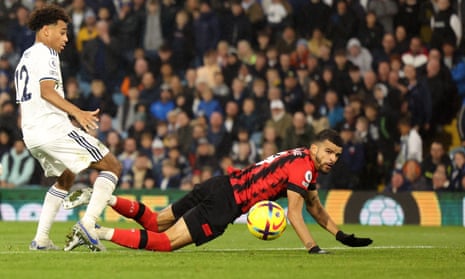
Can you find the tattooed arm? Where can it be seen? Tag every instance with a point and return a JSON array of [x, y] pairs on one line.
[[316, 209]]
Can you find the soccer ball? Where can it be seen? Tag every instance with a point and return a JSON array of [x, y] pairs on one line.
[[266, 220], [382, 210]]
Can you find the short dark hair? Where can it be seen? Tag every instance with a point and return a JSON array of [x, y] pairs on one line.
[[49, 14], [330, 135]]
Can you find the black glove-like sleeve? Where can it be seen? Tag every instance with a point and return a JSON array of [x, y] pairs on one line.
[[351, 240]]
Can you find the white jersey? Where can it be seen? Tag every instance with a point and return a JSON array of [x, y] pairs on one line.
[[41, 122]]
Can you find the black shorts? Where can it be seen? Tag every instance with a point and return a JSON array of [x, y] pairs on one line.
[[208, 209]]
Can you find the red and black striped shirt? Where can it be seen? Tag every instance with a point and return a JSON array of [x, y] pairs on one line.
[[271, 178]]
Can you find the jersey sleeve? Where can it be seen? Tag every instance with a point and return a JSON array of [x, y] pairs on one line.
[[48, 64], [302, 178]]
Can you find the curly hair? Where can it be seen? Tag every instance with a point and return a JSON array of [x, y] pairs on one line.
[[50, 14]]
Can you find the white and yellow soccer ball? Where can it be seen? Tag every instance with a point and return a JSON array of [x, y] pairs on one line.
[[266, 220]]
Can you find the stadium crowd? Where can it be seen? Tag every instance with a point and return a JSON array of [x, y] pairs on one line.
[[190, 89]]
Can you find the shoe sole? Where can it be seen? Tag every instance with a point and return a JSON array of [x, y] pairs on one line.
[[77, 198]]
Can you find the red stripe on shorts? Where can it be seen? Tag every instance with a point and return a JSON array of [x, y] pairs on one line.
[[206, 229]]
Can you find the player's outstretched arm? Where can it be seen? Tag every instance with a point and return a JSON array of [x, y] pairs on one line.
[[294, 214], [316, 209], [87, 119]]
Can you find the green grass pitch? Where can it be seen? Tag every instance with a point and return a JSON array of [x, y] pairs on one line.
[[397, 252]]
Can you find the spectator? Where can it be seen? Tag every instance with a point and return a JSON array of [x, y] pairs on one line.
[[237, 26], [245, 53], [140, 175], [243, 150], [182, 40], [6, 142], [128, 27], [458, 172], [220, 89], [286, 42], [206, 73], [249, 119], [349, 119], [445, 25], [299, 134], [443, 95], [402, 40], [263, 41], [276, 16], [417, 101], [18, 32], [385, 51], [398, 183], [128, 155], [411, 144], [408, 16], [371, 32], [440, 180], [208, 104], [114, 142], [180, 161], [152, 36], [159, 109], [231, 118], [99, 98], [412, 172], [317, 40], [218, 136], [254, 11], [10, 53], [280, 119], [341, 25], [359, 55], [101, 57], [171, 177], [206, 30], [332, 108], [243, 157], [293, 94], [318, 11], [18, 166], [88, 31], [417, 54], [157, 157], [437, 155], [204, 156], [385, 11]]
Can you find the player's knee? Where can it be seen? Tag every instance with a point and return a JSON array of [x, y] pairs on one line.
[[65, 180], [115, 166]]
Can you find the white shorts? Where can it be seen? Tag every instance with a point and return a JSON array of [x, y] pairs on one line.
[[75, 151]]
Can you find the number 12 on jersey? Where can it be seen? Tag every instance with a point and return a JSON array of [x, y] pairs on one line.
[[21, 80]]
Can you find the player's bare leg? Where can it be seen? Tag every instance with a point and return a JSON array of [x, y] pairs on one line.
[[51, 205], [175, 237], [165, 219]]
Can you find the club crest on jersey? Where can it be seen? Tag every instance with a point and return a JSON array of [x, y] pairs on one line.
[[52, 63], [308, 179]]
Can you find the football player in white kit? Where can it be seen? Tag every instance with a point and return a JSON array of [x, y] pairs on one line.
[[62, 149]]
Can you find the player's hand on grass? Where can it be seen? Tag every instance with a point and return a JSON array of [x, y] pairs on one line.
[[351, 240]]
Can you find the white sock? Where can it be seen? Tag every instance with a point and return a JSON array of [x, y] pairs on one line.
[[112, 201], [105, 233], [50, 207], [104, 186]]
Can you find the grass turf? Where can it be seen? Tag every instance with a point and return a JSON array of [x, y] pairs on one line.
[[397, 252]]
